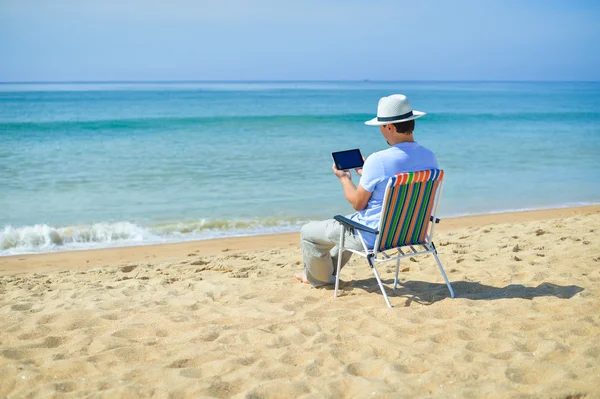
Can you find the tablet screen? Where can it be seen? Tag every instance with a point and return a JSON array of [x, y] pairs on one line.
[[347, 159]]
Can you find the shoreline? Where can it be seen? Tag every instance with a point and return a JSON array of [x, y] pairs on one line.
[[50, 231], [91, 258]]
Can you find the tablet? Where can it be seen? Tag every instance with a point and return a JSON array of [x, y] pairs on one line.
[[348, 159]]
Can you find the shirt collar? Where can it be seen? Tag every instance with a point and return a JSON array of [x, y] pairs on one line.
[[407, 145]]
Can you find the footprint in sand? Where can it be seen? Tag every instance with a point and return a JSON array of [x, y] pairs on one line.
[[412, 366], [442, 339], [191, 373], [522, 375], [39, 332], [21, 307], [314, 368], [179, 319], [593, 352], [581, 331], [53, 342], [130, 355], [366, 370], [47, 319], [82, 323], [503, 355], [66, 386], [181, 363], [112, 316], [464, 335], [476, 346], [15, 354], [209, 336], [525, 346]]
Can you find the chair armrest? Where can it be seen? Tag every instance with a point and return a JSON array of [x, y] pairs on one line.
[[437, 220], [354, 225]]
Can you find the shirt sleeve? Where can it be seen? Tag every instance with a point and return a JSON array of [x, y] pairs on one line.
[[372, 173]]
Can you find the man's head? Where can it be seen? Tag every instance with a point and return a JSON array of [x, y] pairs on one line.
[[396, 119]]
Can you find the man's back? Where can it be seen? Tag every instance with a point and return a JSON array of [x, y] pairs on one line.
[[379, 167]]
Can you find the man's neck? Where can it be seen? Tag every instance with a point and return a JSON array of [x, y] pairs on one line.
[[402, 138]]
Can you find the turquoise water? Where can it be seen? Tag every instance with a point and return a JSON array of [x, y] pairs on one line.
[[109, 164]]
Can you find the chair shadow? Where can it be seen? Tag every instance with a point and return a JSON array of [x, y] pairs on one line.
[[427, 293]]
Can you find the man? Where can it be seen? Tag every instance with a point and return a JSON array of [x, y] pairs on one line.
[[396, 121]]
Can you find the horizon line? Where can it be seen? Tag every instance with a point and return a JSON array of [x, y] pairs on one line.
[[294, 81]]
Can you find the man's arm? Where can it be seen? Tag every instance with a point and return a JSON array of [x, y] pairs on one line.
[[358, 197]]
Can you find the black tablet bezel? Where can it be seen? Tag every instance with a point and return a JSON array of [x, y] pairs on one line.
[[337, 165]]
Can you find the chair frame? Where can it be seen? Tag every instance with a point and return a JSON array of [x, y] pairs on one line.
[[373, 255]]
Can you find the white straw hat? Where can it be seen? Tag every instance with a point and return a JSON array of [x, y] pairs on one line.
[[393, 109]]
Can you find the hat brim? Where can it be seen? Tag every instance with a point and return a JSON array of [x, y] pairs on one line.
[[415, 115]]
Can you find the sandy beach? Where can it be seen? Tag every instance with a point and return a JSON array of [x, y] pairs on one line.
[[226, 318]]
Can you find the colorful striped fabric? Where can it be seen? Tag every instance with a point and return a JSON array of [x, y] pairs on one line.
[[407, 208]]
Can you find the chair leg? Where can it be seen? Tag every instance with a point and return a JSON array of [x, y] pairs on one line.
[[379, 282], [443, 274], [397, 270], [339, 262]]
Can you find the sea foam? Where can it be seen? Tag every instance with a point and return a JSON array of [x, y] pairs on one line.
[[44, 238]]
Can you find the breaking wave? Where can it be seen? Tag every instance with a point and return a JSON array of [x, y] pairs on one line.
[[44, 238]]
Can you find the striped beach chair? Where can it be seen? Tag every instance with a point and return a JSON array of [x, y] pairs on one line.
[[406, 226]]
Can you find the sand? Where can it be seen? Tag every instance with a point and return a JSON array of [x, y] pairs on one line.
[[226, 318]]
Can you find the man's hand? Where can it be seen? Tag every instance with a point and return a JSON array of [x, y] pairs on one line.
[[341, 173], [358, 197], [359, 170]]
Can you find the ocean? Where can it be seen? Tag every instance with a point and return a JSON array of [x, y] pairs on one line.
[[91, 165]]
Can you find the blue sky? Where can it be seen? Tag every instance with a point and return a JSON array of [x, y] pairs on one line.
[[79, 40]]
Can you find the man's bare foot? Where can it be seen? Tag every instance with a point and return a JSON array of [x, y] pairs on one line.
[[302, 277]]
